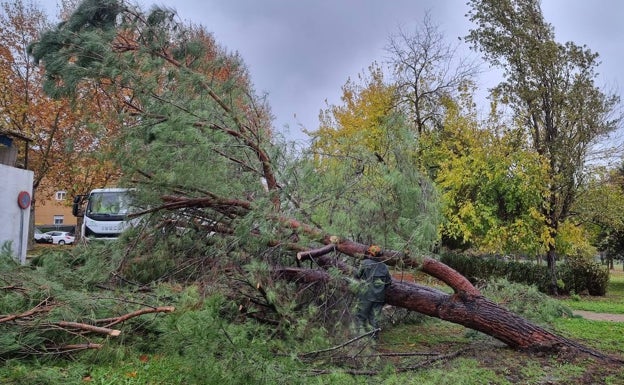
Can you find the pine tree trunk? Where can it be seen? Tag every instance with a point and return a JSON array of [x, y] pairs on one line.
[[466, 306], [475, 312]]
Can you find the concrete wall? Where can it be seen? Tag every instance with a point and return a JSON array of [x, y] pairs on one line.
[[14, 220]]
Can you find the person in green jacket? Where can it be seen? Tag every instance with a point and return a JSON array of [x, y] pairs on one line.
[[375, 279]]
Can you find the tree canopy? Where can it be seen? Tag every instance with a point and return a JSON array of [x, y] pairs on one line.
[[366, 151], [551, 90], [66, 144]]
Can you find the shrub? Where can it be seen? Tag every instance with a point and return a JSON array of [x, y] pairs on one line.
[[576, 275], [580, 275]]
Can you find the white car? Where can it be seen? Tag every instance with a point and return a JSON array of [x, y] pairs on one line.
[[61, 237], [41, 237]]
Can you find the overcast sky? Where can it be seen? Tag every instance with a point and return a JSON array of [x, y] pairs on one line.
[[300, 52]]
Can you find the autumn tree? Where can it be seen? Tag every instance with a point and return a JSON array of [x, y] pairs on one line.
[[65, 153], [491, 184], [551, 90]]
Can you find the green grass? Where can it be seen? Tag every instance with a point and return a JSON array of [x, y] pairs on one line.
[[605, 336]]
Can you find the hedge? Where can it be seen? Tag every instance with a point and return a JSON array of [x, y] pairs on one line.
[[575, 275]]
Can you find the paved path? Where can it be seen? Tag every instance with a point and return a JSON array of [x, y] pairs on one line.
[[590, 315]]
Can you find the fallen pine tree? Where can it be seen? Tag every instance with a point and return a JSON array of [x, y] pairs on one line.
[[205, 140], [466, 306]]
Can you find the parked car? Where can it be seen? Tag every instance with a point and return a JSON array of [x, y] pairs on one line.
[[41, 237], [61, 237]]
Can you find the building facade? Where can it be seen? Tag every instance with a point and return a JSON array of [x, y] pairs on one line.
[[55, 212]]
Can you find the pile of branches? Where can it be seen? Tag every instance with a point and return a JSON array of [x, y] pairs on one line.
[[41, 317]]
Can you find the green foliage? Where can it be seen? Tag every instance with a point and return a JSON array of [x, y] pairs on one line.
[[193, 127], [206, 342], [7, 255], [492, 185], [80, 267], [61, 286], [576, 275], [601, 203], [580, 275], [231, 353], [526, 301], [362, 178], [89, 17]]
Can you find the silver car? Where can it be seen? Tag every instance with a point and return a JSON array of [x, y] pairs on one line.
[[61, 237]]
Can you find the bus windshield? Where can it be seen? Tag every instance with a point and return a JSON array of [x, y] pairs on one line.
[[109, 203]]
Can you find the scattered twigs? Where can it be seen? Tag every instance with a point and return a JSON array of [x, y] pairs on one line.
[[405, 354], [432, 360], [13, 288], [435, 357], [76, 347], [81, 329], [333, 348]]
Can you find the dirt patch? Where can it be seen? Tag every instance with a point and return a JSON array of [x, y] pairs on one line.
[[590, 315]]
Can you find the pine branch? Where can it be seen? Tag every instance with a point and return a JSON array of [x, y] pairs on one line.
[[87, 327], [40, 308], [115, 320]]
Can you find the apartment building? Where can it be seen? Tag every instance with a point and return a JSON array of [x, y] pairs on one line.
[[55, 212]]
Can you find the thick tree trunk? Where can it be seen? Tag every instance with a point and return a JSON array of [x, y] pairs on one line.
[[551, 259], [475, 312], [469, 309], [466, 306]]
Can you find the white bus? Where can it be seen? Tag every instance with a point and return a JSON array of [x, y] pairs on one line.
[[104, 213]]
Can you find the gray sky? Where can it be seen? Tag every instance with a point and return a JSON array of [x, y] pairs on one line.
[[300, 52]]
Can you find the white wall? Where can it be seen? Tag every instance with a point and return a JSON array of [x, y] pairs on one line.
[[13, 219]]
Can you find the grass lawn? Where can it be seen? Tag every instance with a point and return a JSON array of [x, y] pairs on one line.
[[604, 335], [612, 303]]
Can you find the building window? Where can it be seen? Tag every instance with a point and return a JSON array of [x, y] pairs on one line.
[[58, 219], [60, 195]]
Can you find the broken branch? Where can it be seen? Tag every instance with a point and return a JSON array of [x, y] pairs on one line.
[[87, 327], [115, 320]]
